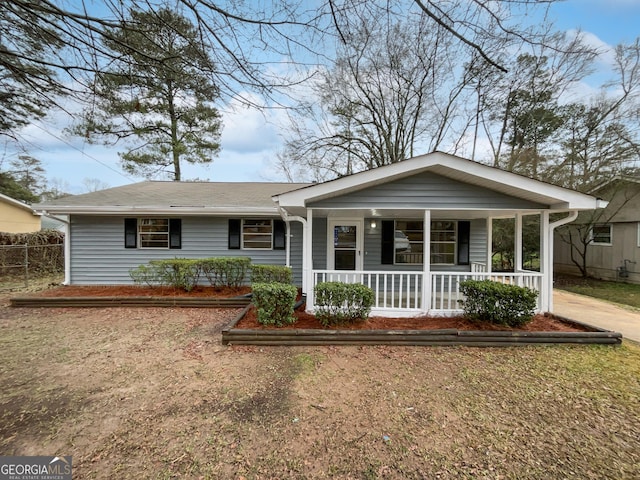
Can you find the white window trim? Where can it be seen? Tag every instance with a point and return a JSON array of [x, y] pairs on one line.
[[638, 235], [602, 244], [242, 247], [140, 233]]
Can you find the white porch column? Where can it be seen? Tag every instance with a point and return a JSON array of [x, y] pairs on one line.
[[546, 263], [307, 260], [489, 243], [517, 246], [426, 262]]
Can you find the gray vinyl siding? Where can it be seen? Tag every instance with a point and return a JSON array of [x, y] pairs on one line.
[[478, 241], [319, 243], [98, 256], [426, 190]]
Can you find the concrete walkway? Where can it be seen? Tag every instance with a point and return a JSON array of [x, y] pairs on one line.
[[598, 313]]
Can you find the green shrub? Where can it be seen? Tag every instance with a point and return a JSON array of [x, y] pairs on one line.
[[178, 272], [145, 275], [225, 271], [338, 302], [271, 274], [498, 303], [274, 303]]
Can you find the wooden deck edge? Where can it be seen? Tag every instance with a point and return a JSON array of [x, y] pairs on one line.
[[442, 337], [234, 336], [192, 302]]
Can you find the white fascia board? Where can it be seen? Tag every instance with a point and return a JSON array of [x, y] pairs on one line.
[[17, 203], [570, 198], [190, 211]]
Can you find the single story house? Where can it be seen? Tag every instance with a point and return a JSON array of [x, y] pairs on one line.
[[606, 242], [411, 231], [17, 217]]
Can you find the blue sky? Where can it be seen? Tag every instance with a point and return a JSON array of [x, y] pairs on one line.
[[250, 139]]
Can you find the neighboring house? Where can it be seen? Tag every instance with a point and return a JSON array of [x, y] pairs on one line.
[[368, 227], [611, 236], [17, 217]]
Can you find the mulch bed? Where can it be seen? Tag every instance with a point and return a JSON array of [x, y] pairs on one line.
[[139, 291], [540, 323]]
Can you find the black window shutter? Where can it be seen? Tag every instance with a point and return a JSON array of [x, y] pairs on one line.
[[234, 233], [175, 233], [464, 227], [279, 235], [130, 232], [388, 235]]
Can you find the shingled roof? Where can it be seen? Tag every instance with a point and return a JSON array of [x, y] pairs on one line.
[[183, 197]]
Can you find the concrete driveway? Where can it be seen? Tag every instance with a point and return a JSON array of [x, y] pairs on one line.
[[598, 313]]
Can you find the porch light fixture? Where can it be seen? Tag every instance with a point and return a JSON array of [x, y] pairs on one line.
[[373, 224]]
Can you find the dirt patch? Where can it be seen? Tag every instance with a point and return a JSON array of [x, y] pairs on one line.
[[540, 323], [152, 393]]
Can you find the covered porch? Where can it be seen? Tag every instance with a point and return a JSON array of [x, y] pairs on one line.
[[413, 231], [386, 253]]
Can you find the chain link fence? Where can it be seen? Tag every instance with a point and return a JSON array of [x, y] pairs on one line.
[[30, 261]]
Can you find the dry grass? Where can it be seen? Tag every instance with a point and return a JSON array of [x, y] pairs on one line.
[[151, 393]]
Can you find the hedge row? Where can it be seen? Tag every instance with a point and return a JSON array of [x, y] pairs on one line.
[[43, 237], [186, 273]]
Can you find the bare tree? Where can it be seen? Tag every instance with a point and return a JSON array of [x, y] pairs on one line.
[[93, 184], [49, 47], [382, 98], [519, 111]]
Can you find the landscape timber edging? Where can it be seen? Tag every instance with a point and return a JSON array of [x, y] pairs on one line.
[[449, 336], [168, 301]]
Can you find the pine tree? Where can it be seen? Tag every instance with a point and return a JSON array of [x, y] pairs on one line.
[[157, 97]]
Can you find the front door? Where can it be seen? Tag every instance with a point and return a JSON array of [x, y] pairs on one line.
[[345, 245]]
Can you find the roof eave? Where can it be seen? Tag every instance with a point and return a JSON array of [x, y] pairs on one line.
[[152, 210]]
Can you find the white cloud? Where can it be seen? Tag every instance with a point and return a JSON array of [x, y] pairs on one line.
[[606, 52], [247, 129]]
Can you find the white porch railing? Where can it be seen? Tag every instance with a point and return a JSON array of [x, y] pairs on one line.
[[397, 291], [393, 290], [478, 267], [445, 286]]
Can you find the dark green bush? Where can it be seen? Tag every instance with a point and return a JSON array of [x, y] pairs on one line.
[[498, 303], [271, 273], [225, 271], [338, 302], [274, 303], [176, 272]]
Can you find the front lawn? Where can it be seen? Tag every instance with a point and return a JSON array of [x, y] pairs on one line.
[[152, 393]]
